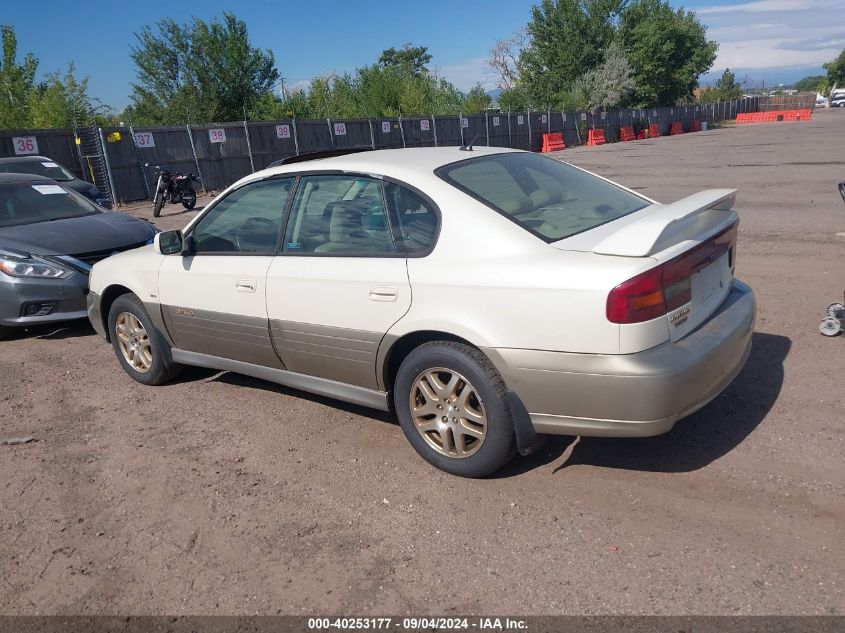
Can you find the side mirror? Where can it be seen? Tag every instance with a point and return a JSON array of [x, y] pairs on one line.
[[168, 242]]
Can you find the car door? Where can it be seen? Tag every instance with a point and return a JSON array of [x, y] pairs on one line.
[[340, 282], [214, 301]]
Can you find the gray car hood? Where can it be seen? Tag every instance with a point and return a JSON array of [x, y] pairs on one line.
[[75, 236]]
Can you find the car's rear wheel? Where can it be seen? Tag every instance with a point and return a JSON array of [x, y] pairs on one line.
[[140, 348], [450, 402]]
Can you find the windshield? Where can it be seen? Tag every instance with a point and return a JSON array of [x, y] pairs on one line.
[[39, 168], [25, 203], [550, 199]]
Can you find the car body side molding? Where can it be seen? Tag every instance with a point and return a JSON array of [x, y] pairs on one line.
[[320, 386]]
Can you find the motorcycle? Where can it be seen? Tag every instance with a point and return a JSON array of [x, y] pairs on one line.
[[833, 323], [173, 187]]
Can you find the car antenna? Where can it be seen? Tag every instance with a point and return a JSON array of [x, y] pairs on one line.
[[468, 148]]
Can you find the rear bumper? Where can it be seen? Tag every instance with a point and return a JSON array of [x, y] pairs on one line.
[[67, 297], [632, 395]]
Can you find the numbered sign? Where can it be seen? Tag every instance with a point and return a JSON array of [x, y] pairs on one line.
[[495, 121], [654, 113], [340, 129], [583, 116], [425, 125], [464, 122], [603, 115], [385, 127], [544, 118], [217, 135], [144, 139], [25, 145], [563, 114], [282, 131], [520, 119]]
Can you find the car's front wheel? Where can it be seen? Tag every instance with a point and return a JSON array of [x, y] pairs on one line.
[[141, 350], [450, 401]]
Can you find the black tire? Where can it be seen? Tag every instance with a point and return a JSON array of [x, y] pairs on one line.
[[158, 203], [189, 199], [163, 368], [499, 445]]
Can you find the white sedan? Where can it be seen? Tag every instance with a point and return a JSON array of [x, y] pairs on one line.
[[488, 296]]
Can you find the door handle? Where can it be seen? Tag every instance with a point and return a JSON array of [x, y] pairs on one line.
[[384, 293], [246, 285]]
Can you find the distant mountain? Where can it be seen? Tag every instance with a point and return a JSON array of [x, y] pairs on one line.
[[751, 78], [494, 94]]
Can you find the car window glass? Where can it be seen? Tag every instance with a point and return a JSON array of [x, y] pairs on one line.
[[338, 215], [47, 168], [549, 198], [415, 220], [24, 203], [248, 220]]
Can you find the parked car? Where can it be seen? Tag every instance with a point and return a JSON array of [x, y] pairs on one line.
[[489, 295], [838, 101], [43, 166], [50, 236]]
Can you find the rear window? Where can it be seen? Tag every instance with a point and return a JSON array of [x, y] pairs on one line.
[[544, 196], [47, 168]]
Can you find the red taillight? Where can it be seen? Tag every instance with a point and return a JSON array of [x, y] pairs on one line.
[[667, 287]]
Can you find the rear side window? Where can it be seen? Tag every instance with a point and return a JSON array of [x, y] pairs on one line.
[[544, 196], [414, 218], [338, 215]]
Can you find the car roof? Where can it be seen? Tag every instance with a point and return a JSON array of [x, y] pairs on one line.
[[390, 162], [12, 177], [24, 159]]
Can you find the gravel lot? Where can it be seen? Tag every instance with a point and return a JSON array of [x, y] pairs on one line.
[[224, 494]]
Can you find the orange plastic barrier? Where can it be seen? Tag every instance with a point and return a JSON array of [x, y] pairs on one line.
[[677, 128], [626, 133], [596, 137], [553, 142], [696, 126], [774, 116], [654, 130]]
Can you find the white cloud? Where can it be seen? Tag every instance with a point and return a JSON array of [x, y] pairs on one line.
[[802, 33], [466, 74], [761, 6]]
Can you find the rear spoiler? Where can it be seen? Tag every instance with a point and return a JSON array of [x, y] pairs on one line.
[[659, 221]]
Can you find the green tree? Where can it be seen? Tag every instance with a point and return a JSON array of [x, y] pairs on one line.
[[17, 81], [728, 87], [610, 84], [477, 100], [411, 59], [567, 38], [199, 71], [810, 83], [63, 101], [836, 70], [512, 100], [667, 48]]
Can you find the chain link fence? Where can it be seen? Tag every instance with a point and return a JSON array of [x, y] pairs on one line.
[[221, 153]]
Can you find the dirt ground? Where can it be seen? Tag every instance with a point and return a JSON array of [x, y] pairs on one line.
[[223, 494]]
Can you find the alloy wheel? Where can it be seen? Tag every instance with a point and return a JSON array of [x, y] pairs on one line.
[[134, 342]]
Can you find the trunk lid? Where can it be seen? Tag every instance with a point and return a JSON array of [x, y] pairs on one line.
[[692, 241]]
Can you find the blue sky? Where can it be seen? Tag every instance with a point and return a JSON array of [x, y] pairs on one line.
[[775, 40]]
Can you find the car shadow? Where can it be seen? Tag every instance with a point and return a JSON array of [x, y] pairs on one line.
[[52, 331], [256, 383], [693, 443], [708, 434]]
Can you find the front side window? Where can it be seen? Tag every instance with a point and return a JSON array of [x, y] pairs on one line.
[[550, 199], [248, 220], [28, 203], [338, 215]]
